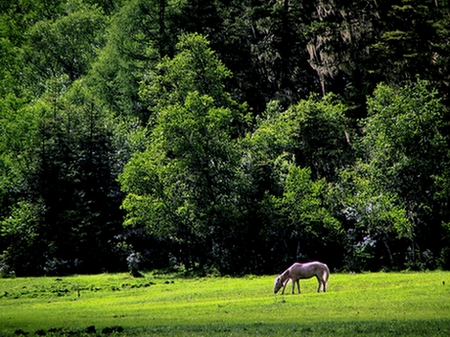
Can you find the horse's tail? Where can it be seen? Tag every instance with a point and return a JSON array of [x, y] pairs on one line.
[[326, 275]]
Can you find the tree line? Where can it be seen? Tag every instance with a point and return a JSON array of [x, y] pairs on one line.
[[222, 136]]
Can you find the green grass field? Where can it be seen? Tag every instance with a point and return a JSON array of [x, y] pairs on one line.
[[372, 304]]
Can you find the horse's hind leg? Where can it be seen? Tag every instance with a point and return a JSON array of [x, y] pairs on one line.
[[325, 281], [321, 284]]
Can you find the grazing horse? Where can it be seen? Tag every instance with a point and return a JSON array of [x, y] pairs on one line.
[[299, 271]]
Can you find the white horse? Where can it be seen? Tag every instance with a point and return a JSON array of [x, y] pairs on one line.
[[299, 271]]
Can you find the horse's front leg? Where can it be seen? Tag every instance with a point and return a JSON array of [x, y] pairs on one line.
[[284, 285]]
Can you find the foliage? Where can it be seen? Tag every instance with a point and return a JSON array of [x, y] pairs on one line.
[[228, 136], [405, 146], [66, 44], [383, 197], [413, 42], [375, 217], [67, 167], [190, 167], [315, 131], [293, 153], [139, 35], [25, 249], [339, 47]]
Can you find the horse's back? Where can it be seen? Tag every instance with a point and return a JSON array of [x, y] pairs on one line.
[[308, 269]]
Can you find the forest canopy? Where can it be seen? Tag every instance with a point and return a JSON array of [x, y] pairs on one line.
[[223, 137]]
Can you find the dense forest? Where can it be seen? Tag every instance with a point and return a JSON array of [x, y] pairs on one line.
[[223, 136]]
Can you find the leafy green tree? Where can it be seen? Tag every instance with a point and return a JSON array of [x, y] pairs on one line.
[[66, 44], [403, 151], [375, 222], [304, 221], [303, 200], [293, 154], [316, 131], [195, 68], [185, 186], [25, 249]]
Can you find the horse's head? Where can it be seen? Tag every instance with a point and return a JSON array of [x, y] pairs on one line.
[[281, 281], [277, 284]]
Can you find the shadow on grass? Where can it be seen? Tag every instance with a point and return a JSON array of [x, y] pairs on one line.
[[352, 328]]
